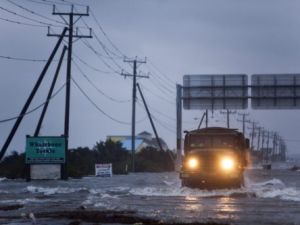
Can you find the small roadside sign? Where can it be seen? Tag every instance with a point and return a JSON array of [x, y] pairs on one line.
[[103, 170]]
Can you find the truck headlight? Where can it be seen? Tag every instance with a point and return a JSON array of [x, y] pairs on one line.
[[227, 163], [192, 163]]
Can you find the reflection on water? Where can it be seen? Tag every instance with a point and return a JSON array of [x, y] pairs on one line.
[[226, 208], [193, 203]]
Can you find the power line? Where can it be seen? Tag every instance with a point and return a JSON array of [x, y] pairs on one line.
[[158, 70], [51, 2], [159, 96], [33, 12], [106, 50], [39, 2], [28, 18], [22, 59], [158, 112], [100, 57], [98, 90], [92, 67], [164, 84], [71, 3], [34, 109], [106, 36], [21, 23], [163, 125], [97, 107]]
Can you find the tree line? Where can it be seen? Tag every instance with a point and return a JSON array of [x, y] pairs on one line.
[[82, 160]]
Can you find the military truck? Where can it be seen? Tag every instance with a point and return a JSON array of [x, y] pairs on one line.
[[214, 157]]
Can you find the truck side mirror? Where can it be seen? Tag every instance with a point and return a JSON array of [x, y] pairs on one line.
[[247, 143]]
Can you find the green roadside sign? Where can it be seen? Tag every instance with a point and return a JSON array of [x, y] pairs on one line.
[[45, 150]]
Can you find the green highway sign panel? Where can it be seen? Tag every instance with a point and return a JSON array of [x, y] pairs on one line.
[[40, 150]]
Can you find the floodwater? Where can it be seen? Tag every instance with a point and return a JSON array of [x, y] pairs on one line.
[[269, 197]]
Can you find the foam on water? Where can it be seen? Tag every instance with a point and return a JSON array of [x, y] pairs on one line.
[[24, 201], [2, 178], [53, 190], [273, 188]]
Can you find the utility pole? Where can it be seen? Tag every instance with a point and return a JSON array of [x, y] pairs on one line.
[[252, 134], [274, 146], [228, 112], [206, 118], [268, 140], [258, 138], [134, 75], [244, 115], [70, 37], [178, 126]]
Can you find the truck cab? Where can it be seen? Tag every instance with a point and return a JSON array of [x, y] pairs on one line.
[[214, 157]]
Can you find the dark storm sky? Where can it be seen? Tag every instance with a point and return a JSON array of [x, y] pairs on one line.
[[177, 36]]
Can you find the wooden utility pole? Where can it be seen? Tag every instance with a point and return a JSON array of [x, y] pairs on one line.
[[70, 37], [134, 75]]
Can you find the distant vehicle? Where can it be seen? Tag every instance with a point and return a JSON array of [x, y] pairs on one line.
[[215, 157]]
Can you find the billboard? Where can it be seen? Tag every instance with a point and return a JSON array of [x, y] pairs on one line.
[[49, 150], [222, 91], [275, 91]]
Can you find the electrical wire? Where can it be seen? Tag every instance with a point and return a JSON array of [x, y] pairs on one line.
[[33, 12], [163, 125], [27, 18], [90, 66], [97, 107], [51, 2], [100, 57], [34, 109], [160, 86], [39, 2], [106, 50], [159, 71], [122, 55], [21, 23], [71, 3], [98, 89], [158, 96], [22, 59]]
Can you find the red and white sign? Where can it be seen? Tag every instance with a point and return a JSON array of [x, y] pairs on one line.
[[103, 170]]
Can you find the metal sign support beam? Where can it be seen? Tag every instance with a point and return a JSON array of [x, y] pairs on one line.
[[178, 127]]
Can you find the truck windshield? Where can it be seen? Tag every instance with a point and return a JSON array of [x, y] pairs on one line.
[[209, 141]]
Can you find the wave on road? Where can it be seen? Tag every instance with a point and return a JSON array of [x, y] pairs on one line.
[[273, 188]]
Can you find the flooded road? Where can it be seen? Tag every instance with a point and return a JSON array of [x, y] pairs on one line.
[[269, 197]]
